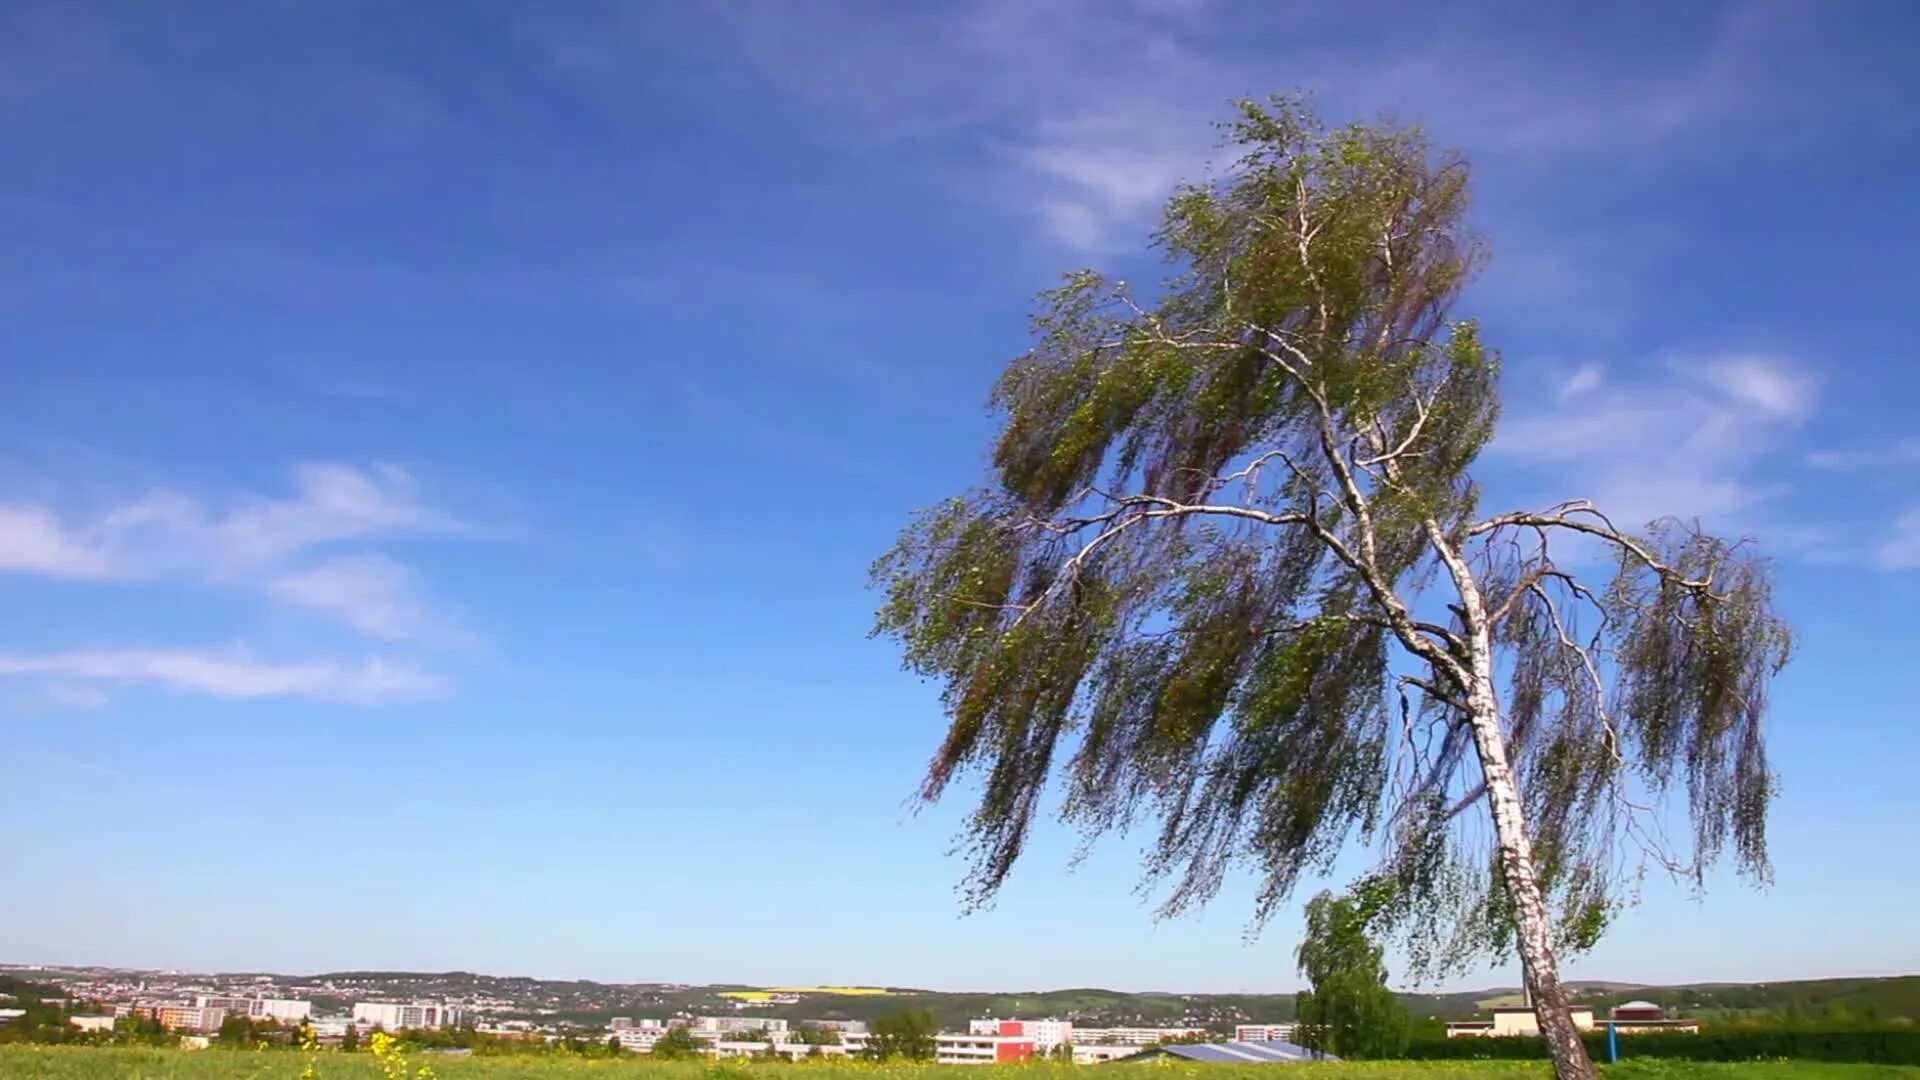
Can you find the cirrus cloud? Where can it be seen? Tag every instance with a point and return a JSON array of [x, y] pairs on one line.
[[234, 673], [1685, 441], [276, 547]]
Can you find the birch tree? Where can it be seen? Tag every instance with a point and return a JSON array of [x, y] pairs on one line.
[[1232, 587]]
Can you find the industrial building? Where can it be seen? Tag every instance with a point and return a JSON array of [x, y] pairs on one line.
[[1236, 1053]]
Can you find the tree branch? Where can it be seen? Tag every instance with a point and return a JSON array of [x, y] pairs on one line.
[[1560, 517]]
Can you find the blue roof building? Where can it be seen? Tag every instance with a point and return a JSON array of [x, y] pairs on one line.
[[1235, 1053]]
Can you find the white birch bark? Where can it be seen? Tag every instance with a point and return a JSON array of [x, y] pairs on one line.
[[1532, 929]]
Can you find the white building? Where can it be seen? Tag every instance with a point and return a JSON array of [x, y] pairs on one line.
[[284, 1010], [1046, 1034], [792, 1051], [1263, 1032], [972, 1049], [716, 1027], [396, 1016], [1101, 1053], [1515, 1021], [638, 1039], [1132, 1036], [91, 1023]]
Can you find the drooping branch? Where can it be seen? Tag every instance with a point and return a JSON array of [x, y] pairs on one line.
[[1225, 531]]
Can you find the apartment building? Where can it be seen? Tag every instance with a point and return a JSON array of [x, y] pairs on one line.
[[397, 1015], [718, 1027], [978, 1049], [638, 1039], [174, 1017], [285, 1010], [1132, 1036], [1263, 1032], [1047, 1035]]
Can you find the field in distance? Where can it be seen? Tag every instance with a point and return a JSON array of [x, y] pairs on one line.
[[824, 991], [85, 1063]]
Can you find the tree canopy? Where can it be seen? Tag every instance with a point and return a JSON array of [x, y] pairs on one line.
[[1348, 1010], [907, 1034], [1232, 583]]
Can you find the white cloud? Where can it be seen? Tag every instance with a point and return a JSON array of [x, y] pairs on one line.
[[1089, 112], [371, 593], [1900, 454], [33, 541], [1586, 378], [1686, 442], [1765, 384], [1901, 550], [1109, 173], [254, 542], [233, 674]]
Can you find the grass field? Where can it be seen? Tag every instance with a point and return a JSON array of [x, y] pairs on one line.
[[74, 1063]]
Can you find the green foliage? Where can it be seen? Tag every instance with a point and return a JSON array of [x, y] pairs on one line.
[[903, 1036], [1348, 1012], [678, 1042], [1197, 591], [43, 1021], [87, 1063], [240, 1032], [809, 1035]]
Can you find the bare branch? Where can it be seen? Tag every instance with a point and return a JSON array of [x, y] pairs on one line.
[[1562, 517]]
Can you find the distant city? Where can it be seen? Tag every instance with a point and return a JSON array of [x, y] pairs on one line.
[[1087, 1026], [341, 1006]]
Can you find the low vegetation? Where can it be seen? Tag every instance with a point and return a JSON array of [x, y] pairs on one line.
[[75, 1063]]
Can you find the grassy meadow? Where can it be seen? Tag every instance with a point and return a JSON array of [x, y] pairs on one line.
[[74, 1063]]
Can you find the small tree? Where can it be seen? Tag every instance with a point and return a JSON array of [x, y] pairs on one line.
[[678, 1042], [1348, 1011], [350, 1039], [235, 1031], [1234, 577], [907, 1034]]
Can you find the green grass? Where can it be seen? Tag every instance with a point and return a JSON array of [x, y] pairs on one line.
[[72, 1063]]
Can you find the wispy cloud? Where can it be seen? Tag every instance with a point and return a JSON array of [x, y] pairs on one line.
[[1687, 441], [1901, 549], [1089, 113], [273, 546], [1585, 378], [370, 593], [233, 674], [1902, 453], [33, 541], [254, 542]]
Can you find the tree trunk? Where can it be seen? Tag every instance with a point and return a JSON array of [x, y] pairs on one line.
[[1532, 928]]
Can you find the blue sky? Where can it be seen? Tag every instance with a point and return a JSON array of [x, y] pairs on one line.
[[441, 448]]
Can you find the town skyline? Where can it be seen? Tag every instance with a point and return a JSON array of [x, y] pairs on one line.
[[802, 990]]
